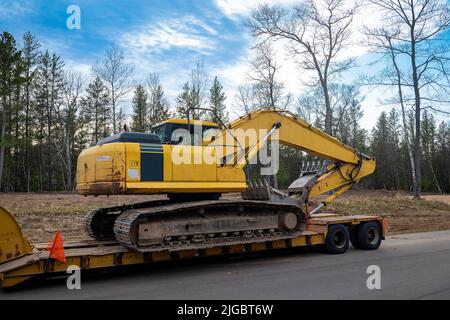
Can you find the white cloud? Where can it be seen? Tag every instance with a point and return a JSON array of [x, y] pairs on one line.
[[234, 74], [148, 48], [14, 9], [188, 32], [235, 8], [231, 76], [55, 44], [373, 105], [82, 68], [197, 22]]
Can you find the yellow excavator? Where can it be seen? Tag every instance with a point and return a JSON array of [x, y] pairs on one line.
[[194, 162]]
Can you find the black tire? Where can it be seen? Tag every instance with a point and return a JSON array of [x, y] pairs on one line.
[[368, 236], [337, 239], [353, 238]]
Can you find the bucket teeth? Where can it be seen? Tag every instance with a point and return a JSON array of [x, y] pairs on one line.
[[313, 167], [309, 174], [261, 190]]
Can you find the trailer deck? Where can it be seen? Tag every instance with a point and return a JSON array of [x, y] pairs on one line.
[[20, 260]]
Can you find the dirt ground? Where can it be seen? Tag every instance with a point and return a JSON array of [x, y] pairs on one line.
[[405, 215], [438, 197], [41, 214]]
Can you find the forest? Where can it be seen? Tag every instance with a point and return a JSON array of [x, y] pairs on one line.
[[49, 113]]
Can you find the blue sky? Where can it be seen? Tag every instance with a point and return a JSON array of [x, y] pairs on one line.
[[166, 37], [157, 33]]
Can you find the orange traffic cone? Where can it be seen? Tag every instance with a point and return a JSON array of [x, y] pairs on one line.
[[56, 248]]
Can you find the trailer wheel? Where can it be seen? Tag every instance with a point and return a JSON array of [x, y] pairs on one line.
[[353, 238], [368, 236], [337, 239]]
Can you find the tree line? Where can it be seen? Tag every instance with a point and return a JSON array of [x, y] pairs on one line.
[[50, 113], [411, 45]]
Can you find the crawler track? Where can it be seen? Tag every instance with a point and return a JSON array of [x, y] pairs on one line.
[[128, 227], [99, 223], [123, 223]]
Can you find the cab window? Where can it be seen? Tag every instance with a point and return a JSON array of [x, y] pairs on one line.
[[170, 133]]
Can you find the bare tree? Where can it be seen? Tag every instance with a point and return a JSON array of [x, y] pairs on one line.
[[244, 100], [263, 88], [416, 25], [118, 77], [316, 33], [198, 85], [342, 98], [193, 94], [381, 41], [266, 87], [267, 90], [67, 122]]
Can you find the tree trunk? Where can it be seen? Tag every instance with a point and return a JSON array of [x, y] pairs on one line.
[[402, 104], [41, 163], [49, 159], [434, 175], [113, 100], [16, 143], [328, 111], [69, 166], [3, 134], [27, 135], [417, 142]]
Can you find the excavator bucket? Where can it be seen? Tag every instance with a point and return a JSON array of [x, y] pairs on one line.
[[309, 174], [12, 243], [261, 190]]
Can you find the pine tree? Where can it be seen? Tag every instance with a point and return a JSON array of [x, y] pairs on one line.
[[217, 103], [185, 103], [10, 57], [192, 95], [140, 110], [442, 156], [158, 107], [16, 120], [385, 148], [428, 137], [30, 54], [49, 88], [394, 148], [96, 111], [121, 119]]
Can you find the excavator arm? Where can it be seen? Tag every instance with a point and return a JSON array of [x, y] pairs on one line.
[[344, 166]]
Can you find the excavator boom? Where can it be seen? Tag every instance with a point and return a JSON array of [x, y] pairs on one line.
[[345, 165]]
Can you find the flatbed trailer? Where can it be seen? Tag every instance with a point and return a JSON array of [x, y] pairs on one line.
[[20, 260]]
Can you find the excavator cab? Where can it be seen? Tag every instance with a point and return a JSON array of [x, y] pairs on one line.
[[184, 132]]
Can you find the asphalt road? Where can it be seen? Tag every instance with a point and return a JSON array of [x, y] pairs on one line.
[[413, 266]]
